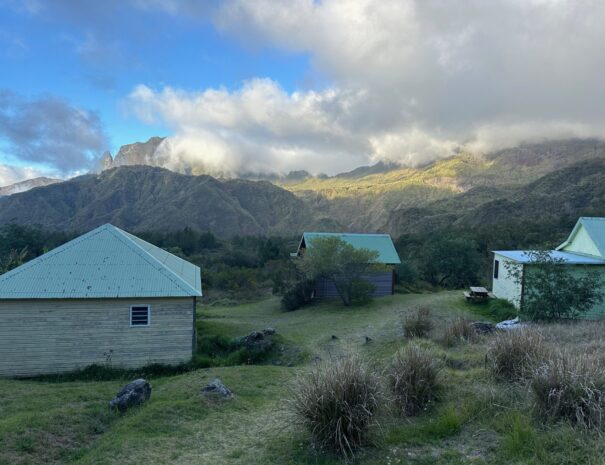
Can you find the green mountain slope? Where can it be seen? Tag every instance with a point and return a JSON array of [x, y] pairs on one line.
[[542, 182], [148, 198], [560, 196], [367, 202]]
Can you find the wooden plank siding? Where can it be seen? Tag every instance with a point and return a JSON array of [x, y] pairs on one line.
[[53, 336], [383, 285]]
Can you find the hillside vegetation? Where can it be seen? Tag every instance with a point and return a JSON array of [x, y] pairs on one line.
[[528, 184], [155, 199], [475, 419]]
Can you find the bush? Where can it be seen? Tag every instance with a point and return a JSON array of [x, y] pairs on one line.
[[216, 346], [234, 279], [418, 324], [413, 379], [405, 273], [337, 402], [502, 309], [361, 292], [512, 355], [217, 350], [571, 388], [298, 295], [460, 330]]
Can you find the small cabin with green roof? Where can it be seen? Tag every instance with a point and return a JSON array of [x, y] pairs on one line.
[[585, 247], [106, 297], [383, 282]]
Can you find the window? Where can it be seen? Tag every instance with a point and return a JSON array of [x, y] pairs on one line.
[[140, 315], [496, 268]]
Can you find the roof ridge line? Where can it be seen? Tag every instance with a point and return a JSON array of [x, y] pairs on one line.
[[51, 253], [147, 255]]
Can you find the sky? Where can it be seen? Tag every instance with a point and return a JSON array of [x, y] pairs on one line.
[[272, 86]]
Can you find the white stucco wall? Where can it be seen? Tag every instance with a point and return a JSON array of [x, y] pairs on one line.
[[505, 286]]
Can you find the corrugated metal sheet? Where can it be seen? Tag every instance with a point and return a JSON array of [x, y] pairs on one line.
[[524, 256], [595, 227], [103, 263], [381, 243]]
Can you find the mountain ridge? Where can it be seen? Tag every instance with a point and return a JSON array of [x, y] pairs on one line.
[[27, 184], [463, 189]]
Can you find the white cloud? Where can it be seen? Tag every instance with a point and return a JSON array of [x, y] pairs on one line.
[[258, 128], [411, 81], [11, 174]]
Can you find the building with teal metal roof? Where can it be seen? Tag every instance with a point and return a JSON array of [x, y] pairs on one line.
[[105, 292], [585, 247], [381, 243], [383, 281]]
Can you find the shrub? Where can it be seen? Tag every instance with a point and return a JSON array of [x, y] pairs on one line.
[[405, 273], [418, 324], [298, 295], [216, 345], [513, 354], [337, 402], [413, 379], [361, 292], [233, 279], [571, 388], [502, 309], [458, 331]]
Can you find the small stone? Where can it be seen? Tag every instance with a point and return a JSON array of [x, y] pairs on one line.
[[368, 340], [334, 337], [217, 387], [135, 393], [482, 328]]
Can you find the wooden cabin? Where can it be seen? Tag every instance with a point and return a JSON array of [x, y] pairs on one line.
[[383, 282], [107, 298]]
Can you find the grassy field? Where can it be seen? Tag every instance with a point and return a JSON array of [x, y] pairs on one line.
[[476, 420]]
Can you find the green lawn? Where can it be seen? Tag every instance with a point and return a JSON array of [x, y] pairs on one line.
[[475, 421]]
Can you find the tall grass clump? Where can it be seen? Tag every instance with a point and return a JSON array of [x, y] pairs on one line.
[[512, 355], [571, 387], [418, 324], [413, 378], [337, 402], [458, 331], [502, 309]]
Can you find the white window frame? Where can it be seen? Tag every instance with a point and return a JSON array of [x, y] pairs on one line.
[[148, 316]]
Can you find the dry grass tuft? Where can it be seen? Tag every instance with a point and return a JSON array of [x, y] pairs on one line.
[[571, 387], [459, 331], [418, 324], [413, 378], [512, 355], [337, 402]]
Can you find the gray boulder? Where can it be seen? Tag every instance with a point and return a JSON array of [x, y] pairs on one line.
[[216, 387], [258, 340], [135, 393]]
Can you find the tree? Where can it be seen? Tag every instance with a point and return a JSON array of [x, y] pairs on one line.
[[552, 290], [450, 263], [13, 259], [337, 261]]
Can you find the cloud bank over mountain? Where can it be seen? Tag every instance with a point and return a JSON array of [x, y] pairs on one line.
[[399, 81], [409, 82]]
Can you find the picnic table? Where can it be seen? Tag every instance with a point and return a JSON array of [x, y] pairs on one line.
[[476, 293]]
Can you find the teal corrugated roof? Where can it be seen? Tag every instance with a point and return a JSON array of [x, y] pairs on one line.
[[569, 258], [381, 243], [103, 263], [595, 227]]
